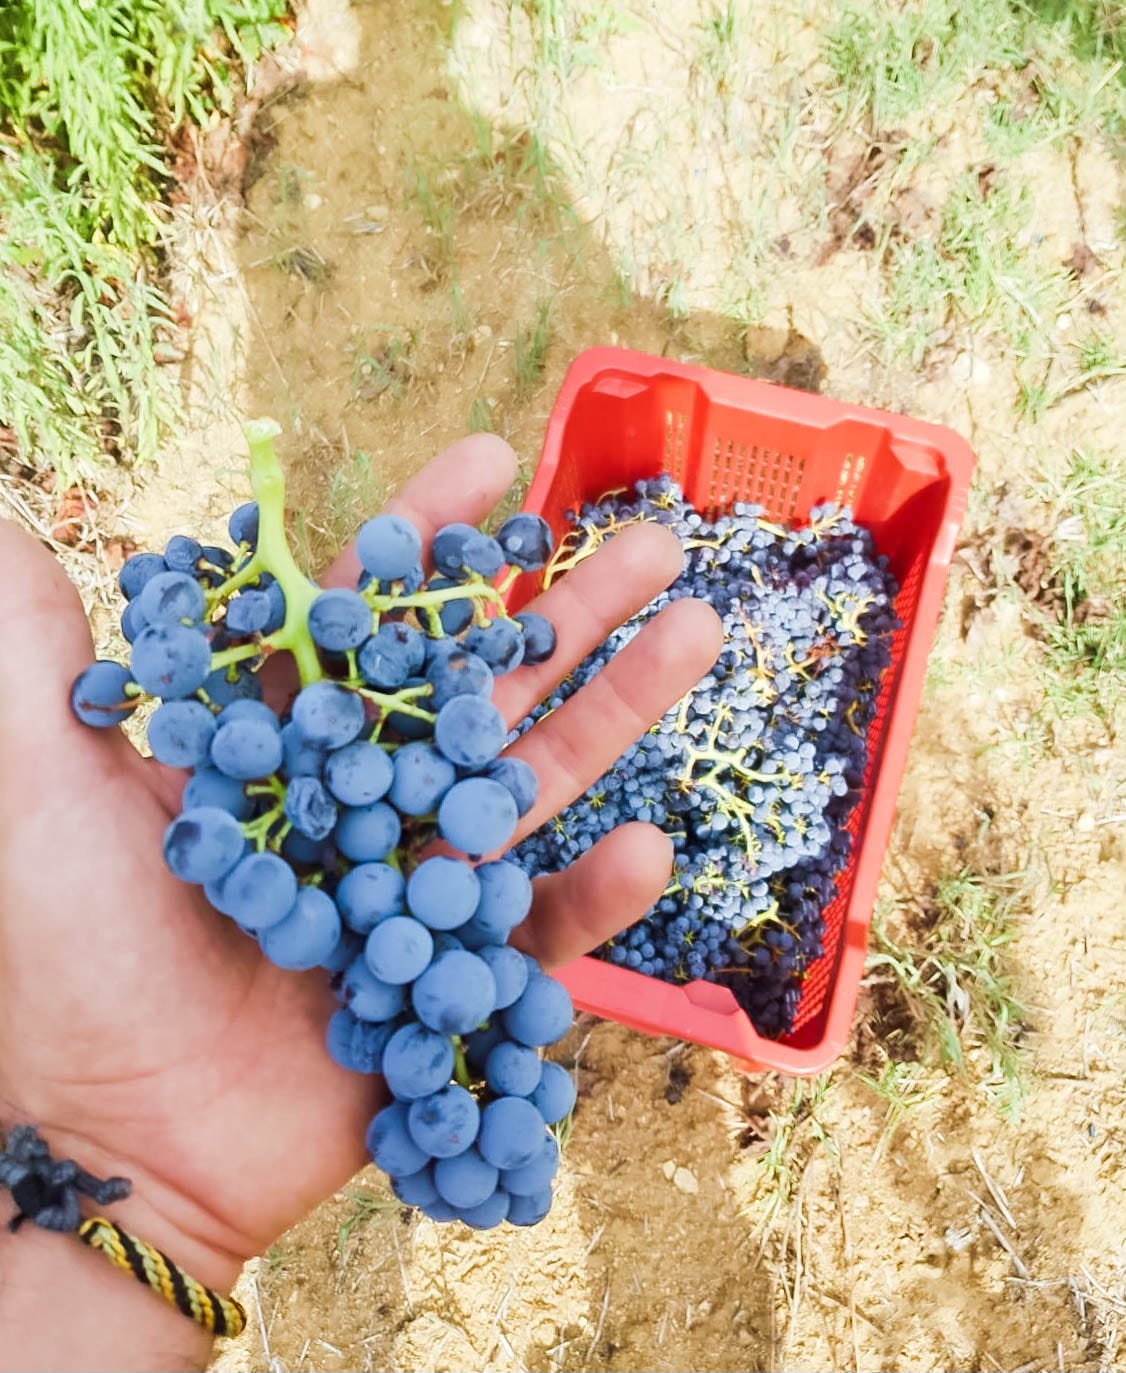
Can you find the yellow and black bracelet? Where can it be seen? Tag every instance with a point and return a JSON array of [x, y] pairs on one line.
[[47, 1191]]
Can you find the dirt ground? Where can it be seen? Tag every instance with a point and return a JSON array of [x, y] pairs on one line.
[[444, 203]]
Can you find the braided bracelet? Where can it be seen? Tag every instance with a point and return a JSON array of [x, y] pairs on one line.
[[46, 1192]]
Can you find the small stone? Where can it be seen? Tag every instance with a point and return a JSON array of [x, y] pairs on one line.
[[313, 201], [684, 1180], [1086, 823], [669, 1169]]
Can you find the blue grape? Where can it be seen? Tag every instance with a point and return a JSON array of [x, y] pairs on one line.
[[417, 1062], [243, 524], [309, 808], [470, 731], [391, 655], [416, 1189], [180, 733], [389, 547], [348, 948], [517, 777], [554, 1098], [526, 540], [371, 892], [221, 559], [367, 834], [248, 709], [455, 994], [480, 1043], [172, 598], [421, 778], [512, 1069], [511, 1132], [170, 660], [465, 1180], [509, 971], [529, 1210], [444, 1123], [307, 935], [138, 570], [399, 948], [339, 619], [328, 714], [367, 997], [203, 844], [443, 892], [258, 891], [300, 758], [483, 555], [506, 898], [358, 773], [542, 1013], [390, 1143], [455, 614], [98, 696], [534, 1177], [500, 645], [182, 553], [132, 622], [209, 787], [246, 748], [539, 637], [357, 1044], [448, 548], [459, 674], [276, 597], [225, 685], [249, 612], [477, 816], [489, 1214], [411, 726], [314, 853]]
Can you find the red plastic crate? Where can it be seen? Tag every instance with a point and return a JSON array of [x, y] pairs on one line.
[[621, 416]]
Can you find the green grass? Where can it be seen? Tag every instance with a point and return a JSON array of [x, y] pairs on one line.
[[89, 94], [529, 350], [1085, 647], [796, 1133], [367, 1208], [949, 975]]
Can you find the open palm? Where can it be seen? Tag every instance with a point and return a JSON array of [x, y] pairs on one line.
[[144, 1033]]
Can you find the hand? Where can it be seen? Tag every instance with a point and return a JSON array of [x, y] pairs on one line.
[[144, 1033]]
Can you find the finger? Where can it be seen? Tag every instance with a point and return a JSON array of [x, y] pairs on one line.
[[588, 604], [599, 895], [464, 482], [574, 745]]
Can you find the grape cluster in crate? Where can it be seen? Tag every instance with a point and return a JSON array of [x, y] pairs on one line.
[[755, 773], [311, 822]]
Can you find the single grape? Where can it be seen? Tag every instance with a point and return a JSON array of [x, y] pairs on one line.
[[504, 903], [309, 808], [172, 598], [248, 709], [138, 570], [459, 674], [258, 891], [443, 892], [392, 654], [539, 637], [512, 1069], [221, 559], [307, 935], [249, 612], [480, 1043], [511, 1132], [526, 540], [389, 547], [489, 1214], [349, 947], [276, 597], [182, 554], [477, 816], [483, 554], [203, 845], [98, 696], [417, 1062], [371, 892], [440, 1211], [358, 773], [339, 619], [408, 725], [328, 714], [465, 1180], [444, 1123], [470, 731], [416, 1189], [243, 524], [456, 614], [171, 661], [509, 971], [421, 777], [227, 684], [247, 748], [398, 949], [207, 786], [300, 758], [357, 1044], [448, 548], [534, 1177], [500, 645], [367, 997], [132, 622], [180, 733], [367, 834], [542, 1013], [517, 777], [455, 994], [554, 1098], [390, 1143], [314, 853], [529, 1210]]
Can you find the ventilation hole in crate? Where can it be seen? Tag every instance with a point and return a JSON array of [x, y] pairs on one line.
[[851, 471], [675, 426]]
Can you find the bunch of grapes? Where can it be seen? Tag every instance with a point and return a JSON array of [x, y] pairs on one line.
[[755, 773], [313, 826]]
